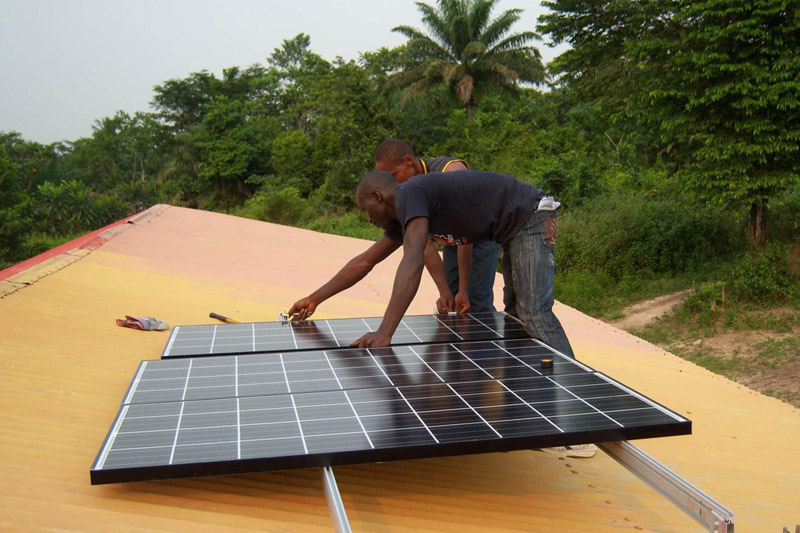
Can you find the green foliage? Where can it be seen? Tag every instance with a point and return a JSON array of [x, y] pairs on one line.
[[784, 220], [627, 234], [291, 159], [584, 290], [350, 224], [281, 205], [13, 223], [765, 278], [71, 207]]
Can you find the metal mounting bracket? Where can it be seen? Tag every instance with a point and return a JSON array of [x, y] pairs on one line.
[[335, 504], [705, 510], [695, 503]]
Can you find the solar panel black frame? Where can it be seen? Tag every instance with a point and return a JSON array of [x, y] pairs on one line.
[[437, 416], [264, 337]]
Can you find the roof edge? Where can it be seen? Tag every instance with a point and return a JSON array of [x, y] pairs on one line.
[[87, 242]]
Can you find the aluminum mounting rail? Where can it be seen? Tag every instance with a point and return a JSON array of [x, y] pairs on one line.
[[694, 502], [335, 504]]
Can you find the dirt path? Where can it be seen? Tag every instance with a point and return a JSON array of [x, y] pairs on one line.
[[640, 314], [763, 357]]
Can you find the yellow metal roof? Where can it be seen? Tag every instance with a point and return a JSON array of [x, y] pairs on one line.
[[65, 365]]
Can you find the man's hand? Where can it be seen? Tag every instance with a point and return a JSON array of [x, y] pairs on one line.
[[302, 309], [462, 302], [445, 303], [372, 340]]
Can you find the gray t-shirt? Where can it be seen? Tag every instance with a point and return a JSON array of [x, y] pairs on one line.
[[434, 164], [466, 206]]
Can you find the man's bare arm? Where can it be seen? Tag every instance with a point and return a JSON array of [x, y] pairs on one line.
[[433, 261], [461, 301], [353, 272], [406, 283], [435, 266], [464, 267]]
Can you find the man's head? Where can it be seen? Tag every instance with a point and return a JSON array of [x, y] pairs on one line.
[[396, 157], [375, 195]]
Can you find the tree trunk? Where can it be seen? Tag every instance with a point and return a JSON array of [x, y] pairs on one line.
[[757, 224], [468, 107]]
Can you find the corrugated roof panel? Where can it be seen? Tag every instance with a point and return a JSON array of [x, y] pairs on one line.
[[65, 365]]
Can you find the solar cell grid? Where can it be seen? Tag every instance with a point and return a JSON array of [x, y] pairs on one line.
[[314, 371], [301, 409], [263, 337]]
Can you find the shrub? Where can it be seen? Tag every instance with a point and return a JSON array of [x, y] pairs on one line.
[[784, 216], [350, 224], [586, 291], [279, 205], [629, 235], [765, 277]]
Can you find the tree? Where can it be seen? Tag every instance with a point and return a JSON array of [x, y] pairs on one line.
[[13, 223], [732, 111], [717, 81], [599, 68], [467, 49]]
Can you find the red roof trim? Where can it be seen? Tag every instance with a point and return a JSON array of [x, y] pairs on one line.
[[90, 240]]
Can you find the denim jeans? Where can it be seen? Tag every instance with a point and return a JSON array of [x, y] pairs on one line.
[[529, 265], [481, 276]]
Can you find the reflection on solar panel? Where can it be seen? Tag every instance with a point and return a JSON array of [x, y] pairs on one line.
[[246, 413], [262, 337]]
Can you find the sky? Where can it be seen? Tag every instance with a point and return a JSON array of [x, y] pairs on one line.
[[66, 63]]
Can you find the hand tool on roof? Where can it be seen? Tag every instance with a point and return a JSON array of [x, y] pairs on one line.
[[223, 318]]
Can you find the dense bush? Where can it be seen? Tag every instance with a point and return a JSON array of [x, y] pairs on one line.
[[784, 218], [765, 278], [350, 224], [71, 207], [630, 234], [275, 204]]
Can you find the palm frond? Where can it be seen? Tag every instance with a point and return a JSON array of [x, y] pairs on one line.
[[500, 26], [479, 16], [423, 48], [452, 72], [437, 24], [517, 41], [408, 31], [419, 86], [472, 52]]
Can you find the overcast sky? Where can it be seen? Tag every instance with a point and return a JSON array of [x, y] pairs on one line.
[[66, 63]]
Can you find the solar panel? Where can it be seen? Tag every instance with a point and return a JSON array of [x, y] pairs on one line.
[[262, 337], [247, 413]]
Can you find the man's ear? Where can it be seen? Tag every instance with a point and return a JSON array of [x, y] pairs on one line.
[[378, 195], [408, 160]]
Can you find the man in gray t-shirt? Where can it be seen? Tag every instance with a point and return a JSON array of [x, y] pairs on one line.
[[460, 208]]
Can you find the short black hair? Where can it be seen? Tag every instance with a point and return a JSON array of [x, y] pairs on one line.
[[375, 180], [393, 150]]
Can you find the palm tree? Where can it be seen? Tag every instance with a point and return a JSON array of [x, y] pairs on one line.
[[466, 49]]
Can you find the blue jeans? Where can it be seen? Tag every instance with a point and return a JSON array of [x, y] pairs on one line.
[[481, 276], [529, 265]]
